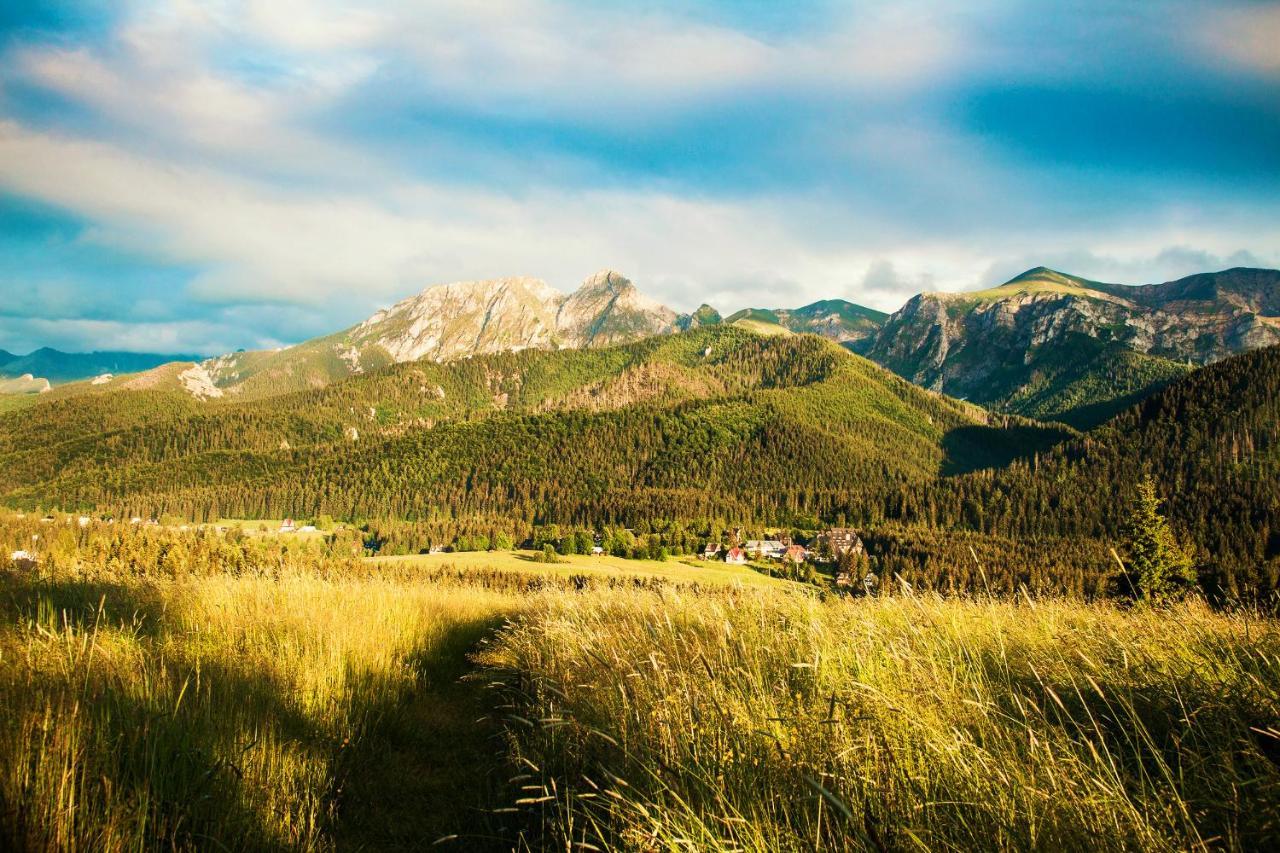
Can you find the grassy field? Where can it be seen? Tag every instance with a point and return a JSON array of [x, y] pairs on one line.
[[764, 722], [483, 701], [242, 712], [685, 570]]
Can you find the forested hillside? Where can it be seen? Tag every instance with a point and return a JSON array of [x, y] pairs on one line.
[[1212, 443], [716, 422], [686, 434]]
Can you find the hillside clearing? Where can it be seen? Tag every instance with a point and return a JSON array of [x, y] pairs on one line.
[[684, 571]]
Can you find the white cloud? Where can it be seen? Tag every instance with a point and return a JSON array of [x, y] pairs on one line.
[[590, 60], [191, 337], [1246, 36], [203, 164]]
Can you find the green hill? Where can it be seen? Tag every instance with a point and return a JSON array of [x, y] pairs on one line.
[[852, 326], [1211, 441], [718, 422]]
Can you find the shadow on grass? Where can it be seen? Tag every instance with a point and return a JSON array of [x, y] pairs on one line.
[[143, 760], [81, 603], [417, 765], [430, 767]]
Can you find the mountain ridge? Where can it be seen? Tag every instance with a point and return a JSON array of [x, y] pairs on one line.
[[1044, 344], [58, 366], [997, 346]]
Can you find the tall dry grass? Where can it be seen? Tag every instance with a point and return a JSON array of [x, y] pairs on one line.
[[751, 721], [210, 713]]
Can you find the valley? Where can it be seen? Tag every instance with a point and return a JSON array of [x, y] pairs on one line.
[[572, 427]]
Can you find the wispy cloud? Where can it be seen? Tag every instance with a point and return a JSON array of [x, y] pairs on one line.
[[293, 165], [1248, 36]]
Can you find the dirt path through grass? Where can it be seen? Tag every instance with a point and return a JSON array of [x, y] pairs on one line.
[[431, 770]]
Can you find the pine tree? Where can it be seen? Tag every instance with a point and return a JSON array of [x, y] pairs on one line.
[[1159, 567]]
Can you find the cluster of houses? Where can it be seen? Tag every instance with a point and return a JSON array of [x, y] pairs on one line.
[[288, 526], [836, 542]]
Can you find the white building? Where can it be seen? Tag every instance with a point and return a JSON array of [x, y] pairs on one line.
[[770, 548]]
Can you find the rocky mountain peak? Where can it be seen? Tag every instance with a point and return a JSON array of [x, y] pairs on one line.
[[457, 320], [607, 280]]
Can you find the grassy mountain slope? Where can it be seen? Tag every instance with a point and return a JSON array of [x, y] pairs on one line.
[[850, 325], [715, 421]]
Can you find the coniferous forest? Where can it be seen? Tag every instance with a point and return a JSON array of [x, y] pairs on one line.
[[684, 438], [666, 427]]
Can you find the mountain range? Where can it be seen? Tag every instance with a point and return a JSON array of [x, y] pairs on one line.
[[56, 366], [1047, 344], [716, 425], [1044, 344]]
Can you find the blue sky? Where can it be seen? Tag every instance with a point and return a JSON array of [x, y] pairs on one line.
[[199, 177]]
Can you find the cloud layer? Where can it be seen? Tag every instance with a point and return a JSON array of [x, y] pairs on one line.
[[205, 176]]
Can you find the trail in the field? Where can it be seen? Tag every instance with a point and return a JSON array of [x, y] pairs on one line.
[[432, 771]]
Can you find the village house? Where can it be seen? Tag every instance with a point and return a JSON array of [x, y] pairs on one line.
[[287, 526], [711, 552], [736, 556], [772, 549], [795, 554], [24, 559], [842, 540]]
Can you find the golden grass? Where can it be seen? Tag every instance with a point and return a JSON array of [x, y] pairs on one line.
[[766, 722], [207, 712], [685, 570], [654, 706]]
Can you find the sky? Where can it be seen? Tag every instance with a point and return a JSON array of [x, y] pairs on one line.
[[198, 177]]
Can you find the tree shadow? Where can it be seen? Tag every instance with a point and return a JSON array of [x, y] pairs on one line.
[[973, 448], [431, 765]]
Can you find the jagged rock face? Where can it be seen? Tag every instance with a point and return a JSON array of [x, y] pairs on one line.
[[466, 318], [453, 321], [607, 309], [508, 314], [980, 345]]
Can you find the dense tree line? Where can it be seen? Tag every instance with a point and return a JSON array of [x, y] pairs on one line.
[[787, 432]]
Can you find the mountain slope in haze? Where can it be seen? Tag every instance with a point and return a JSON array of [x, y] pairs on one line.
[[1053, 345], [453, 321], [849, 325], [59, 367], [712, 422]]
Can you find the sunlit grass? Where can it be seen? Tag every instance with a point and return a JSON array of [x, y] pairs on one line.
[[165, 713], [767, 722], [601, 567]]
